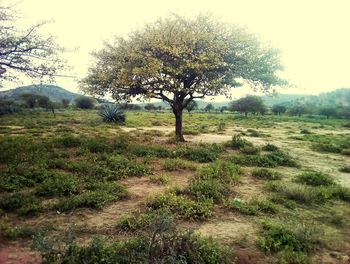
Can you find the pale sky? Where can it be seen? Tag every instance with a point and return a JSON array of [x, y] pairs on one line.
[[313, 35]]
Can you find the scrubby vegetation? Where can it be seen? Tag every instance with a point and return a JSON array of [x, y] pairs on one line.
[[95, 178]]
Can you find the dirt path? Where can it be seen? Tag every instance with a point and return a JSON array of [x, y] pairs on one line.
[[14, 254]]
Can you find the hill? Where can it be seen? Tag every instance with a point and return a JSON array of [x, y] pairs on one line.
[[339, 97], [55, 93]]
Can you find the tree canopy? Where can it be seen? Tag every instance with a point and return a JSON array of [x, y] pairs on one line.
[[178, 59], [248, 104], [25, 52]]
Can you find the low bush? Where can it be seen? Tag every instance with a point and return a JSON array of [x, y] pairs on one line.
[[270, 147], [252, 207], [164, 244], [237, 142], [266, 174], [67, 141], [326, 147], [292, 242], [305, 131], [345, 169], [345, 152], [24, 204], [177, 164], [250, 150], [199, 153], [96, 197], [214, 181], [151, 151], [182, 206], [160, 179], [301, 193], [253, 160], [58, 184], [96, 145], [315, 178], [8, 231]]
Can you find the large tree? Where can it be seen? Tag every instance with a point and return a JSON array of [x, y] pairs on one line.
[[25, 52], [178, 60]]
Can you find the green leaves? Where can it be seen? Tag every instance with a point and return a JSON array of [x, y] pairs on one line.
[[178, 58]]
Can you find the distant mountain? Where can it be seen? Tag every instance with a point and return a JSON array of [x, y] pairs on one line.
[[281, 98], [55, 93], [339, 97]]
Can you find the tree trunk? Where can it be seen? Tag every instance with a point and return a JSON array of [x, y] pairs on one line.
[[178, 126]]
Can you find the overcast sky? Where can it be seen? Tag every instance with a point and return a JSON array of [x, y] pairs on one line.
[[313, 36]]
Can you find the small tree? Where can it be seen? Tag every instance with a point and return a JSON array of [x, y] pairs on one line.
[[223, 108], [209, 107], [44, 102], [248, 104], [30, 100], [65, 103], [150, 107], [279, 109], [193, 105], [298, 110], [328, 111], [85, 102], [178, 60]]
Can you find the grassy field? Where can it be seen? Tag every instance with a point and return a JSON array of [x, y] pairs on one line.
[[262, 189]]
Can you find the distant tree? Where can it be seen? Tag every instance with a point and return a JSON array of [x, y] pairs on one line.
[[30, 100], [223, 108], [209, 107], [150, 107], [328, 111], [344, 112], [179, 59], [129, 107], [65, 103], [85, 102], [193, 105], [25, 52], [279, 109], [299, 110], [44, 102], [249, 104]]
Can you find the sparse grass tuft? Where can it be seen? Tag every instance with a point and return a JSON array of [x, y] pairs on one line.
[[252, 207]]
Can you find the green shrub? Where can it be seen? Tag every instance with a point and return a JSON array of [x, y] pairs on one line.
[[345, 169], [163, 245], [250, 150], [200, 153], [111, 113], [96, 197], [305, 131], [281, 159], [96, 145], [177, 164], [160, 179], [341, 192], [182, 206], [214, 181], [270, 147], [252, 207], [301, 193], [345, 152], [288, 239], [58, 184], [8, 231], [253, 160], [326, 147], [139, 221], [266, 174], [24, 204], [315, 178], [67, 141], [237, 142], [152, 151]]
